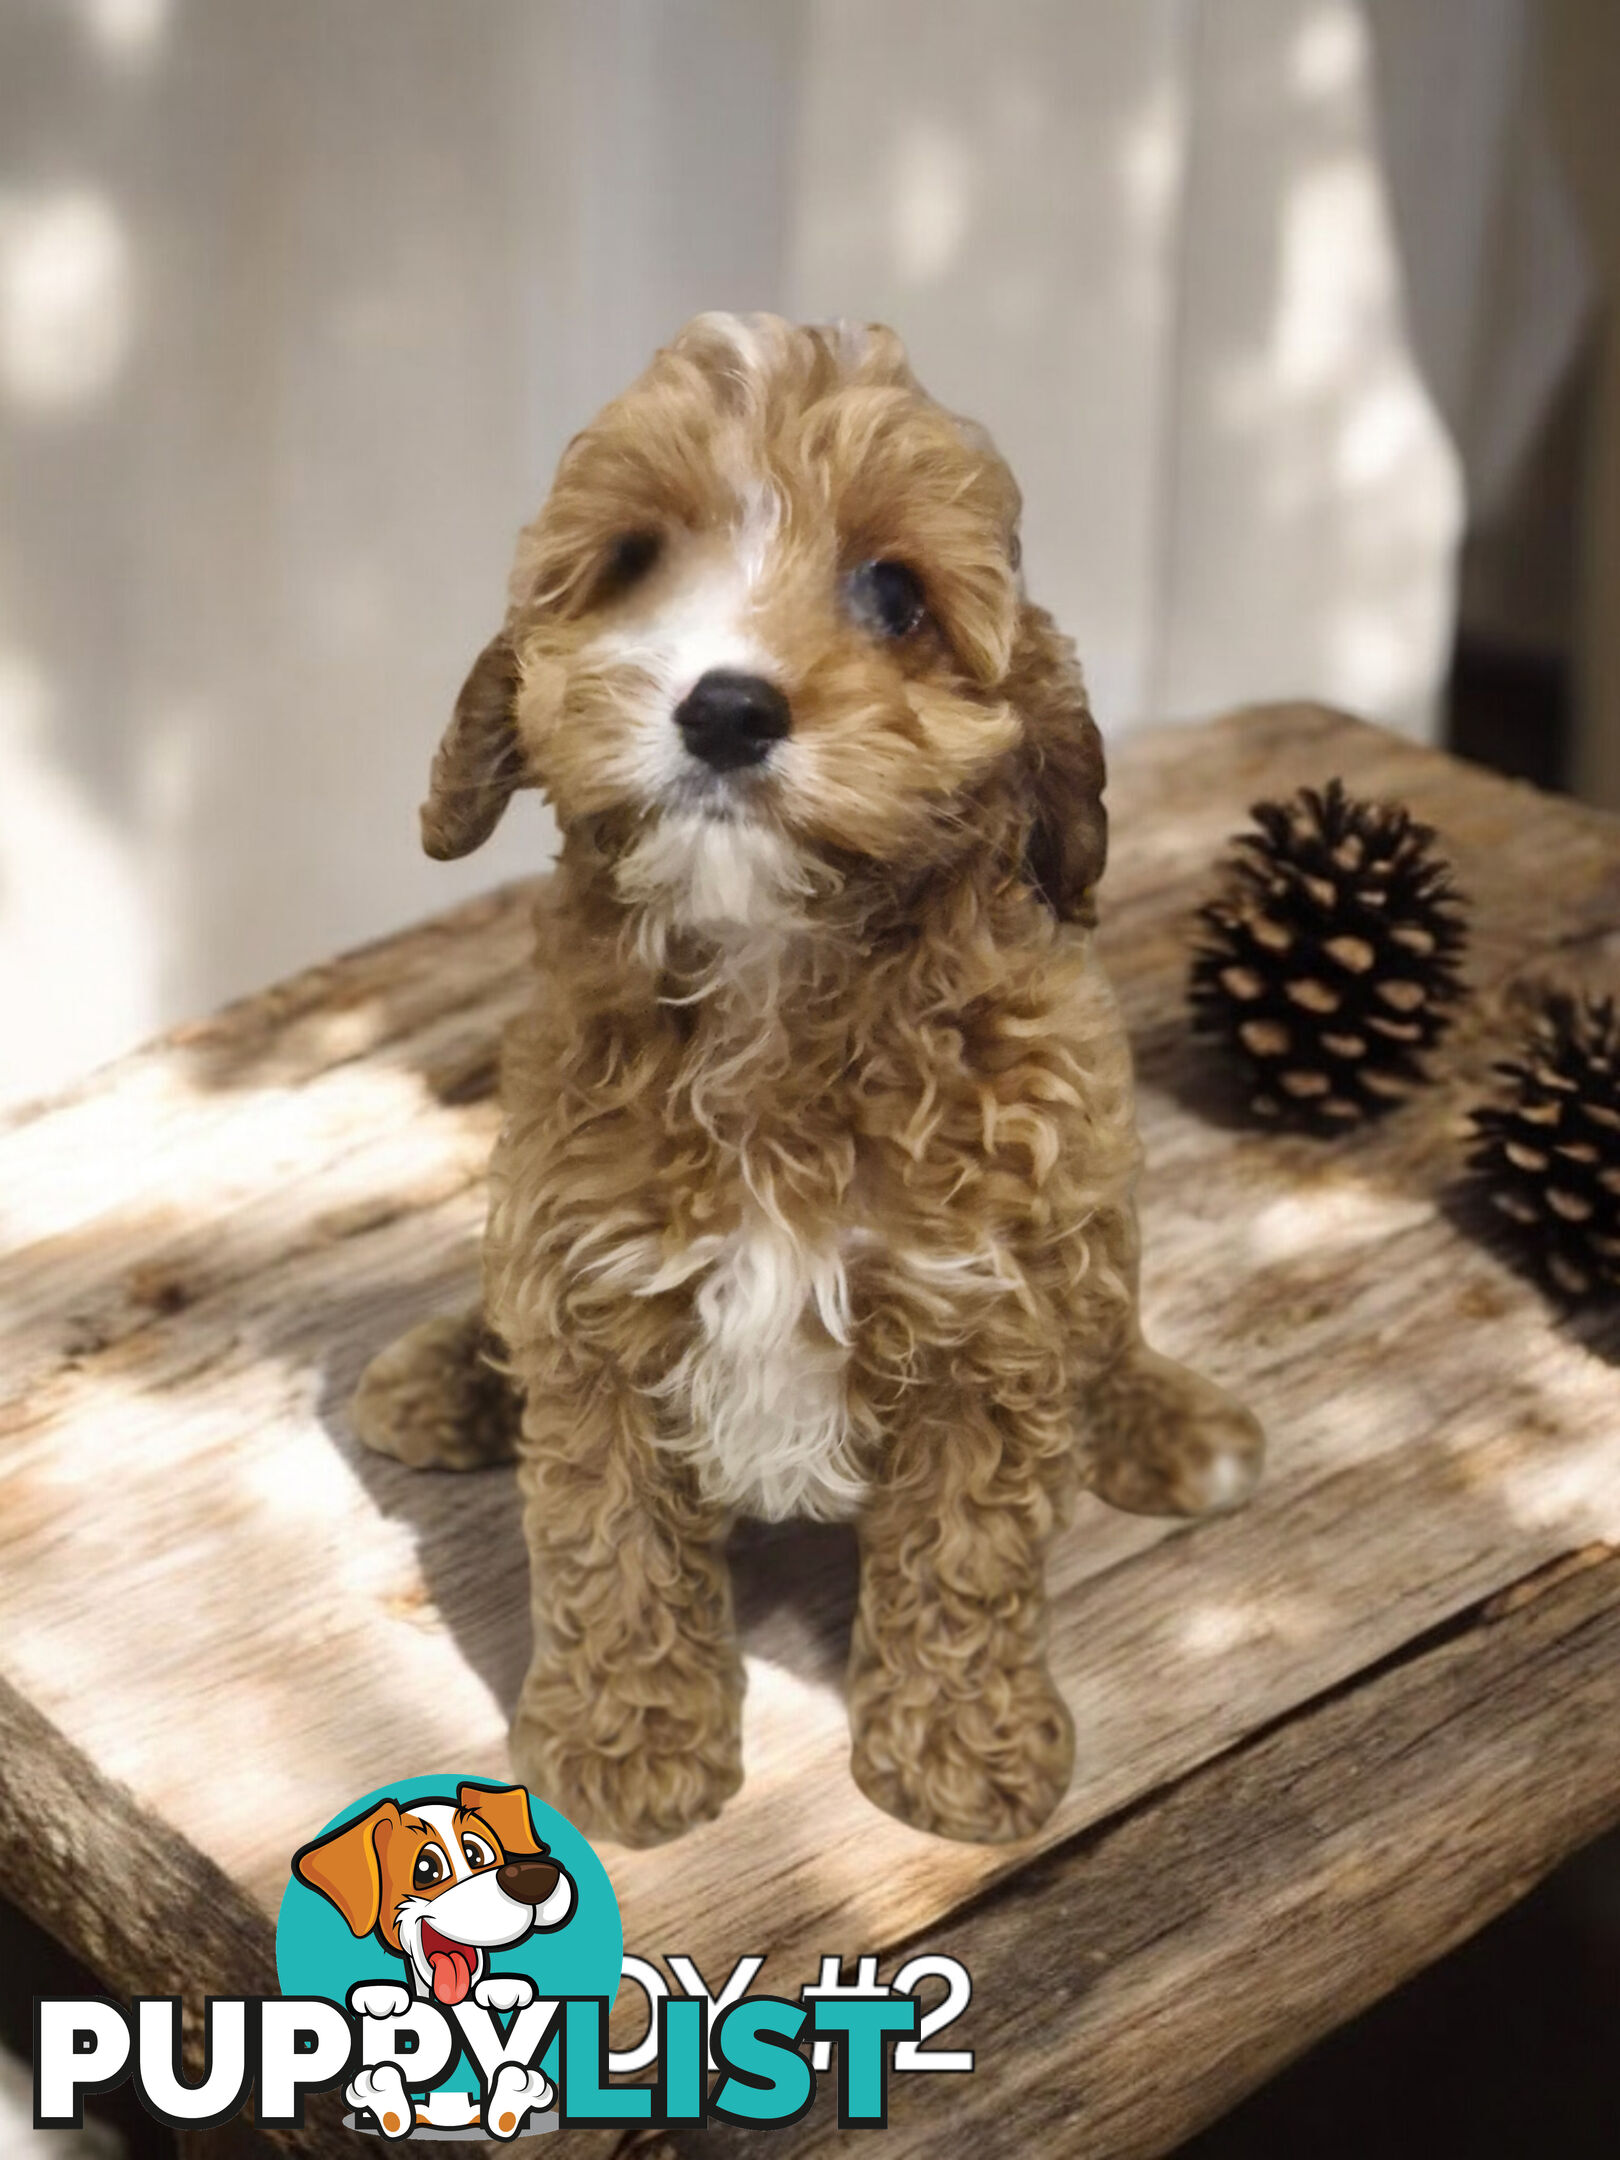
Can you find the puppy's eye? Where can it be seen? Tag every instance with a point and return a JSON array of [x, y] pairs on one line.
[[429, 1868], [477, 1852], [629, 559], [886, 598]]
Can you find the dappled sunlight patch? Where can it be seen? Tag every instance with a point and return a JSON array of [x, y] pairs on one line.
[[1212, 1630], [336, 1037], [1335, 269], [1573, 1488], [930, 200], [204, 1518], [127, 30], [155, 1135], [1152, 157], [66, 301], [1328, 50], [78, 938], [1325, 1220], [788, 1714]]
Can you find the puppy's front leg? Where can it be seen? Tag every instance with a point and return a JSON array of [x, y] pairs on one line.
[[956, 1724], [630, 1719]]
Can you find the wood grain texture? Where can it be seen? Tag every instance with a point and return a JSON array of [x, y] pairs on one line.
[[1129, 1987], [222, 1603]]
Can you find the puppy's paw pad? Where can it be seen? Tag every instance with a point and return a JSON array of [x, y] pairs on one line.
[[379, 1999], [516, 2090], [505, 1991], [381, 2092]]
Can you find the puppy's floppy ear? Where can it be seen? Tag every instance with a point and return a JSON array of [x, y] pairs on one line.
[[344, 1867], [1063, 771], [480, 760], [504, 1809]]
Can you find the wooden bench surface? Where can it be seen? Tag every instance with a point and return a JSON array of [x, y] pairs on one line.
[[1317, 1740]]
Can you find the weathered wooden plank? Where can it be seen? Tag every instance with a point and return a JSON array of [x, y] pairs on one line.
[[148, 1908], [1135, 1984], [220, 1600]]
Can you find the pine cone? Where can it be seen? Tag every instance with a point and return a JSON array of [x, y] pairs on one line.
[[1548, 1156], [1329, 959]]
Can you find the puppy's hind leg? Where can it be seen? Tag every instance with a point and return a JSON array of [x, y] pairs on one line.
[[1162, 1440], [435, 1399]]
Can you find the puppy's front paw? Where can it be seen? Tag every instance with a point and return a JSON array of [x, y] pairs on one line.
[[505, 1991], [989, 1768], [515, 2091], [379, 1999], [636, 1771], [382, 2092]]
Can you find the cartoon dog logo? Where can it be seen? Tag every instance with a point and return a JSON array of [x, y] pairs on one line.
[[440, 1884]]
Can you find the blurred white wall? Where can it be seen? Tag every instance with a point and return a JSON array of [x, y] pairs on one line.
[[299, 299]]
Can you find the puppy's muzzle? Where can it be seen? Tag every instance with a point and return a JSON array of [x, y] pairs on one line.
[[530, 1882], [731, 720]]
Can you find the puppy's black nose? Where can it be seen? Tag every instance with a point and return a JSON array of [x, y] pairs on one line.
[[730, 720], [531, 1882]]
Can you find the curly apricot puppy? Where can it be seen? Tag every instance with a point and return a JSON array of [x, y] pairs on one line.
[[815, 1189]]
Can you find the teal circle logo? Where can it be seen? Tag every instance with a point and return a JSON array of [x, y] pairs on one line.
[[446, 1888]]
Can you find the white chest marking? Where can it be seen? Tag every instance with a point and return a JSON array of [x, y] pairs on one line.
[[758, 1399]]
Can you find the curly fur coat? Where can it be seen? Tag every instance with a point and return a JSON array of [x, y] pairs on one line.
[[814, 1194]]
